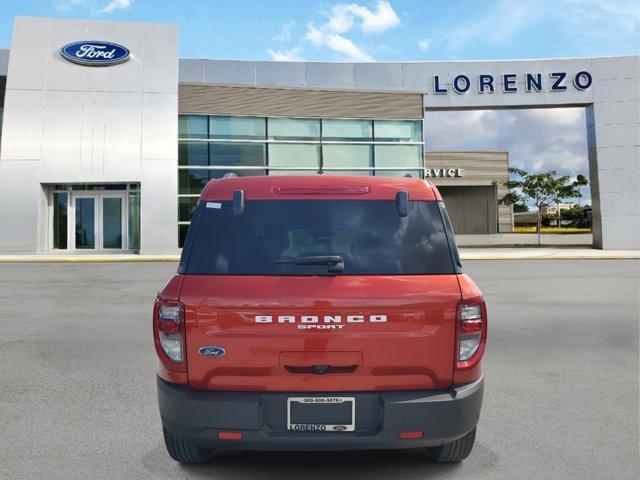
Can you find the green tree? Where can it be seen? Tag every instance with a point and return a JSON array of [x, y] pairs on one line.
[[581, 181], [537, 190], [574, 213], [569, 190], [520, 208]]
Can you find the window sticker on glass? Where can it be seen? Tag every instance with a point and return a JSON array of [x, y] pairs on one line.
[[214, 205]]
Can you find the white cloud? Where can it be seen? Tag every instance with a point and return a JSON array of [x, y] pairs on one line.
[[65, 5], [95, 7], [343, 17], [493, 27], [116, 5], [424, 44], [596, 25], [286, 55], [340, 20], [537, 139], [285, 32], [384, 18], [560, 117], [337, 43]]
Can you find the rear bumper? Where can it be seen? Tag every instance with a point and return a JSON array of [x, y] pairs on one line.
[[443, 416]]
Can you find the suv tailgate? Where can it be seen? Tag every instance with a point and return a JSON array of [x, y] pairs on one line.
[[412, 349]]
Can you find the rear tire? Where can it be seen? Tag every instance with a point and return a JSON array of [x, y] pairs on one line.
[[184, 451], [455, 451]]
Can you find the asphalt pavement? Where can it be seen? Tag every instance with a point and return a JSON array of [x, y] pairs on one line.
[[77, 379]]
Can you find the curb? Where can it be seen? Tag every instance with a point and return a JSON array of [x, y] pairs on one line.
[[465, 254], [90, 259], [550, 257]]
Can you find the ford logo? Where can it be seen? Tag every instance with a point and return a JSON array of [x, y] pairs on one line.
[[211, 351], [95, 53]]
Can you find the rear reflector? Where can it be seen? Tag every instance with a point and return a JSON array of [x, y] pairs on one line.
[[230, 435], [411, 435]]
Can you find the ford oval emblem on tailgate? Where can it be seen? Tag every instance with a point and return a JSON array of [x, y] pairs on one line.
[[211, 351]]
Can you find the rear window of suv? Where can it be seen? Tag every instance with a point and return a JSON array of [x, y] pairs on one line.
[[369, 235]]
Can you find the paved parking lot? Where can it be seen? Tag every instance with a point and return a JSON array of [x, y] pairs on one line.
[[77, 391]]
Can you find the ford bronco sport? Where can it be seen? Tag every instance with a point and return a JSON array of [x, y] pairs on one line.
[[319, 313]]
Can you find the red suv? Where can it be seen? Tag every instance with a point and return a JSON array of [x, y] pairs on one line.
[[319, 313]]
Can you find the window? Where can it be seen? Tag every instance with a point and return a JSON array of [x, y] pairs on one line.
[[337, 159], [292, 155], [398, 130], [60, 204], [294, 128], [182, 233], [368, 234], [398, 160], [238, 154], [73, 209], [192, 181], [186, 207], [193, 153], [192, 126], [134, 217], [216, 145], [346, 130], [236, 127]]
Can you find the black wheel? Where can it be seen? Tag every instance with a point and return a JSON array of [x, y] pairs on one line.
[[455, 451], [184, 451]]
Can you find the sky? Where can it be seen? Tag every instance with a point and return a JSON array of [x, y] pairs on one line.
[[379, 30], [369, 29]]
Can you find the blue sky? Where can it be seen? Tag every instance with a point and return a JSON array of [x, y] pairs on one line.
[[370, 29], [378, 30]]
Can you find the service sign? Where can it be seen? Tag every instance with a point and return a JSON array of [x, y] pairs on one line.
[[95, 53]]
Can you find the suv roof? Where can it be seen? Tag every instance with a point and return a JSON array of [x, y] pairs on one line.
[[336, 187]]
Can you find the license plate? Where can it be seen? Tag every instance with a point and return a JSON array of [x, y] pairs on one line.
[[321, 414]]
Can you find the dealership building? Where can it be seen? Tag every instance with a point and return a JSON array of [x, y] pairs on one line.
[[108, 137]]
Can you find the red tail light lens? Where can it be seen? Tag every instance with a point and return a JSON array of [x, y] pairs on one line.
[[472, 333], [168, 332]]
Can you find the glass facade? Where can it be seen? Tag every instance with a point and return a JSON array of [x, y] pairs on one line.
[[213, 146], [347, 130], [74, 211], [339, 156], [293, 158], [398, 130], [85, 223], [112, 223], [60, 204], [134, 218]]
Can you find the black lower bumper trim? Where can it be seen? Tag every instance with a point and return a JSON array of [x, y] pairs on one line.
[[442, 415]]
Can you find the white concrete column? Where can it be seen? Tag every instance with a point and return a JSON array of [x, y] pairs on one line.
[[613, 135]]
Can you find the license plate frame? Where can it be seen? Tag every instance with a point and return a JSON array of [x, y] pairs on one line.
[[321, 427]]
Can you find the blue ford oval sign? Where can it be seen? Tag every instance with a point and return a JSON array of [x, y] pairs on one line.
[[211, 351], [95, 53]]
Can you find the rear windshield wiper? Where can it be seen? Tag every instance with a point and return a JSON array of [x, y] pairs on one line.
[[335, 263]]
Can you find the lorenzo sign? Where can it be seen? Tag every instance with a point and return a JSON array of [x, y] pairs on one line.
[[95, 53], [512, 83]]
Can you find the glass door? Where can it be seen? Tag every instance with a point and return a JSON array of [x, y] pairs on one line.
[[85, 222], [100, 221], [113, 222]]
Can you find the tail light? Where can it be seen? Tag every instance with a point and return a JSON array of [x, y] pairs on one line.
[[472, 333], [168, 333]]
